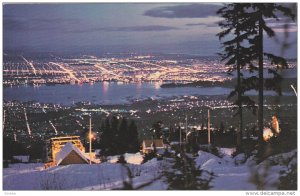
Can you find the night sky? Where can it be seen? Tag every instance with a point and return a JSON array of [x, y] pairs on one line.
[[128, 27]]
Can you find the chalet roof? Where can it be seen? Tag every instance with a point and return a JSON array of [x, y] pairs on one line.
[[158, 143], [66, 150]]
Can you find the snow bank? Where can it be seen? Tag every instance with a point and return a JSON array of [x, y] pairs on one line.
[[282, 159], [19, 168], [226, 151], [134, 158], [204, 157], [240, 159], [129, 157]]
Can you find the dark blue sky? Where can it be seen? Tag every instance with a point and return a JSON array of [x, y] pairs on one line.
[[127, 27]]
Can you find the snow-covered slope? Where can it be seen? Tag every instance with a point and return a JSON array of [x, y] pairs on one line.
[[80, 176], [231, 174]]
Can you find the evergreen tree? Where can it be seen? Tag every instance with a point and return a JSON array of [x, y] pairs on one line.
[[123, 136], [171, 133], [288, 179], [222, 127], [260, 12], [157, 129], [118, 137], [253, 22], [184, 175], [115, 135], [106, 136], [133, 142], [235, 53], [102, 126]]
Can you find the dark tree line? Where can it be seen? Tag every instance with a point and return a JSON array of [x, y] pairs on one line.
[[35, 149], [118, 136]]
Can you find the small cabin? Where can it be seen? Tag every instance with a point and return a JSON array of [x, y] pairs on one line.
[[58, 143], [150, 145]]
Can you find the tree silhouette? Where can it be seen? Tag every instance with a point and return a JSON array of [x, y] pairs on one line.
[[117, 137], [123, 136], [133, 142], [157, 129], [185, 175], [106, 136], [251, 19], [258, 13], [235, 53]]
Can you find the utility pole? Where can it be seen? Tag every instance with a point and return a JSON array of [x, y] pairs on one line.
[[27, 124], [180, 135], [186, 131], [3, 120], [90, 137], [208, 125]]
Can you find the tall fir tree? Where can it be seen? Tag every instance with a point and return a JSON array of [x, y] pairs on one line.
[[123, 136], [133, 142], [253, 22], [235, 53], [105, 138], [115, 135], [184, 175], [157, 129], [259, 13]]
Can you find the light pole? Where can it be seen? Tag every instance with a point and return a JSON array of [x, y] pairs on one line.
[[208, 125], [186, 129], [180, 135], [90, 137]]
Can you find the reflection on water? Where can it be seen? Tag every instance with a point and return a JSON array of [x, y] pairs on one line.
[[105, 88], [157, 85], [138, 89], [108, 92]]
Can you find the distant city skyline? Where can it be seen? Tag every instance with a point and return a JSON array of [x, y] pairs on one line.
[[186, 28]]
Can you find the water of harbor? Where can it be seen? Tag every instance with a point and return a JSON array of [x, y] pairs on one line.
[[109, 93]]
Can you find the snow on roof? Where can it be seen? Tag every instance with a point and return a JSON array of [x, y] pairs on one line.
[[66, 150], [158, 143], [22, 158]]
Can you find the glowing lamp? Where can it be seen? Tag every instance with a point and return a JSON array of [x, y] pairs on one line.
[[267, 134], [91, 136], [275, 125]]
